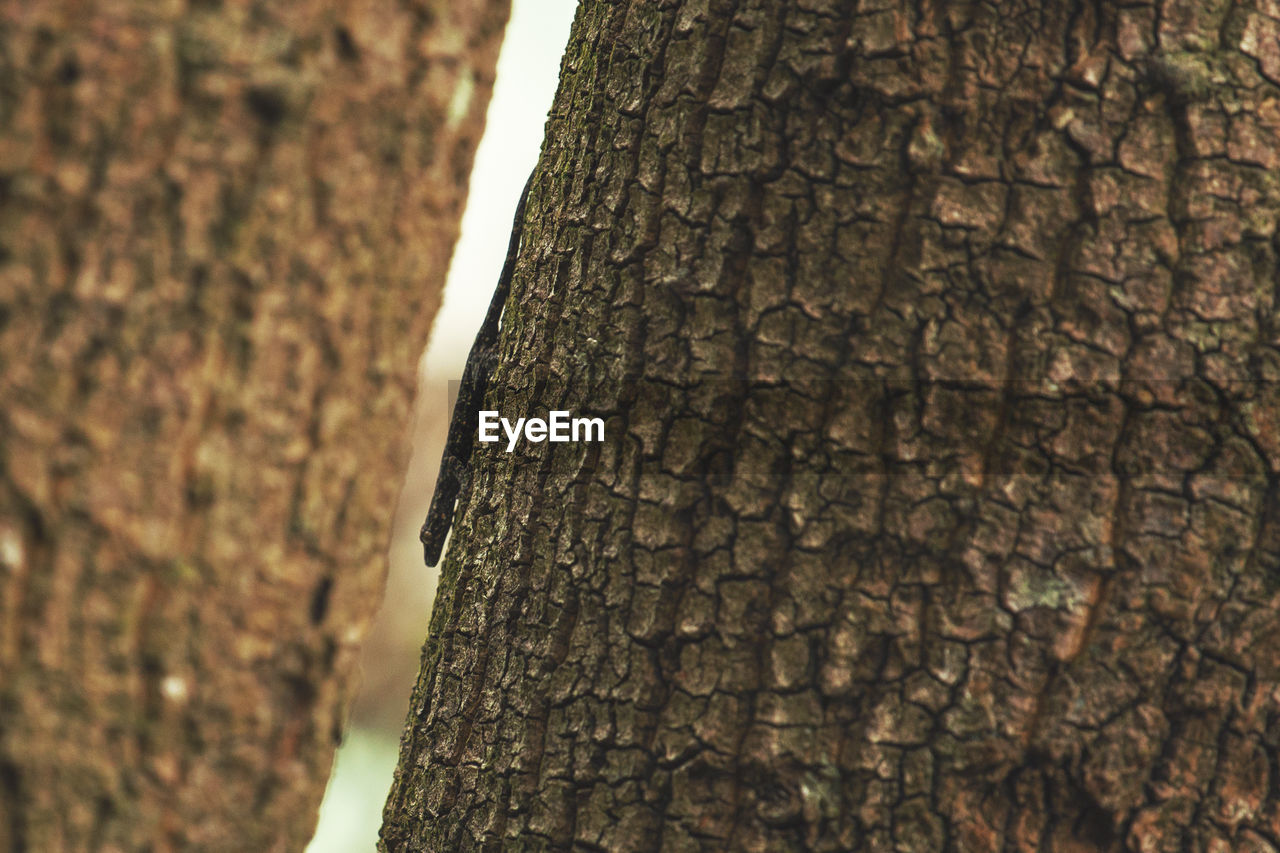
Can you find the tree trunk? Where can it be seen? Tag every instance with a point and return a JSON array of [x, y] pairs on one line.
[[939, 506], [223, 233]]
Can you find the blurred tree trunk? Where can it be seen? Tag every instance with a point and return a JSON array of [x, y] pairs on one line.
[[223, 233], [940, 502]]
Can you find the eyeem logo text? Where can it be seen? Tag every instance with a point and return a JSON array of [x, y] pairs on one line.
[[559, 426]]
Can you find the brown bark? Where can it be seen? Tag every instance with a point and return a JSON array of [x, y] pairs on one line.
[[940, 506], [223, 233]]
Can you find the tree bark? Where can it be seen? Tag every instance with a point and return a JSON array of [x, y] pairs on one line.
[[939, 508], [223, 233]]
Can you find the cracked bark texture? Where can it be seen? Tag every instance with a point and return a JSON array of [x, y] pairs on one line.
[[940, 503], [224, 228]]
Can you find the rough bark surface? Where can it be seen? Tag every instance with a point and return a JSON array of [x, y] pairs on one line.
[[223, 232], [940, 503]]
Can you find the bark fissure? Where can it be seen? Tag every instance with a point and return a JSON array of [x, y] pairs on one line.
[[936, 347]]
